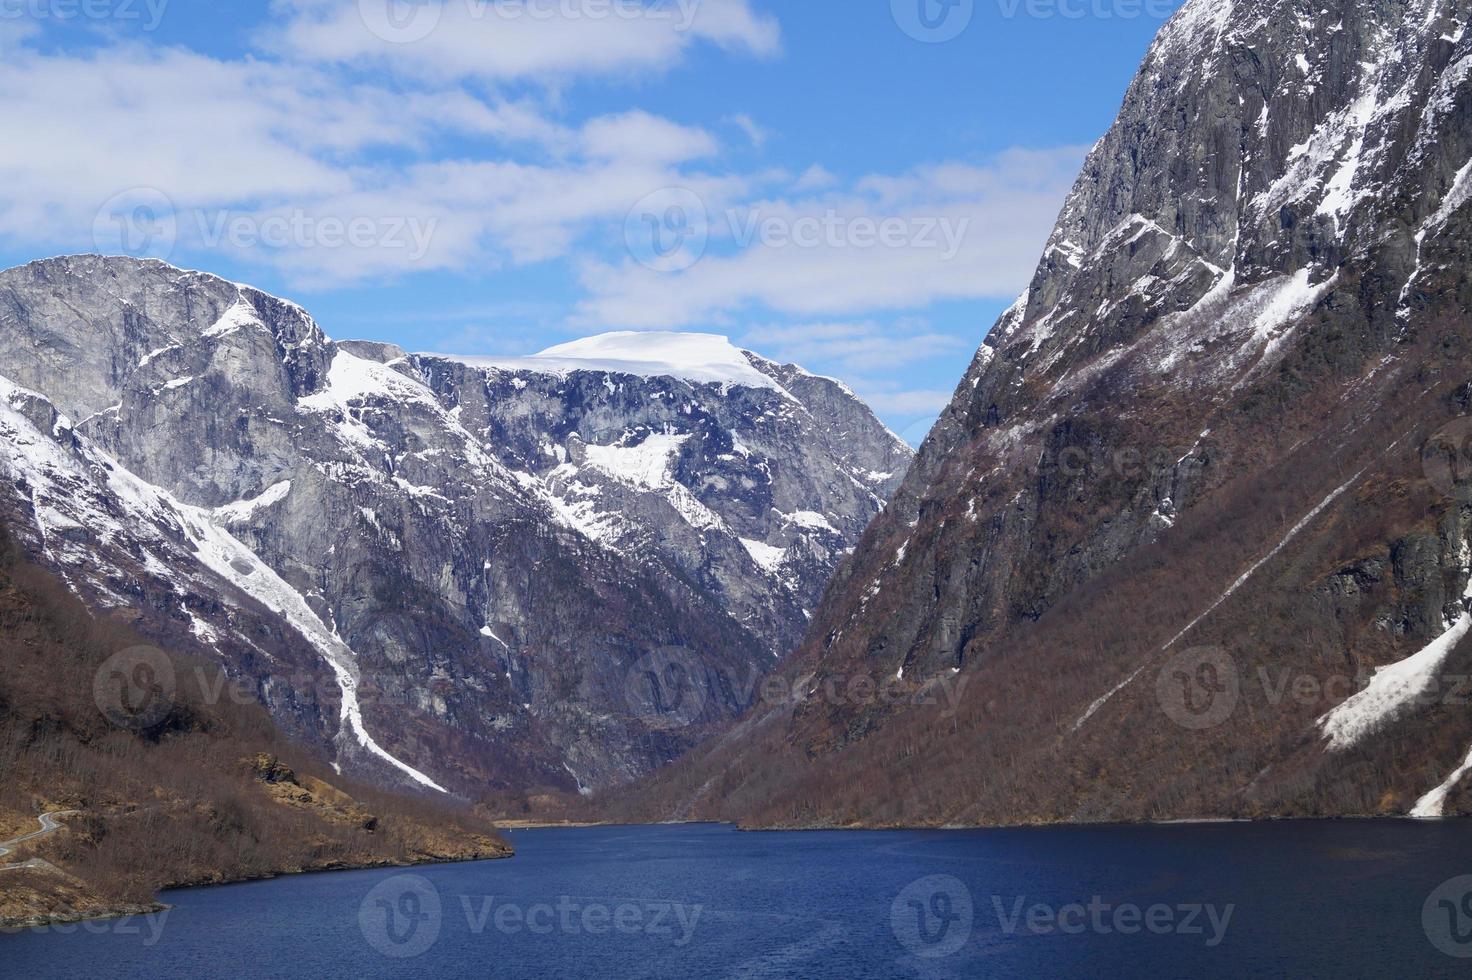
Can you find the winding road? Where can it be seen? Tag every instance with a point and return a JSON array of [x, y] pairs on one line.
[[48, 825]]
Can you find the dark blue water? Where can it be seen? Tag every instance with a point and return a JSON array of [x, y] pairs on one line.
[[1343, 899]]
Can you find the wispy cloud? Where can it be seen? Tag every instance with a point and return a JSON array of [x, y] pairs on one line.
[[853, 347], [448, 40], [872, 357], [754, 133], [888, 242], [637, 135]]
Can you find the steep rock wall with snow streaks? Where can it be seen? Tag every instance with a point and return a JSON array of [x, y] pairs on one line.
[[1214, 452]]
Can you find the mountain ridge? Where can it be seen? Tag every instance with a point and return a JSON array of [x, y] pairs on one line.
[[477, 557]]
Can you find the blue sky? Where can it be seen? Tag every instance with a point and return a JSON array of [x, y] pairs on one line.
[[809, 178]]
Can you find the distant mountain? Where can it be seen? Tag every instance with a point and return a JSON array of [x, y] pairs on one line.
[[1193, 537], [551, 573]]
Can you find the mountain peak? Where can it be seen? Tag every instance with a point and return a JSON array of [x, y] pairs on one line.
[[699, 357], [533, 534]]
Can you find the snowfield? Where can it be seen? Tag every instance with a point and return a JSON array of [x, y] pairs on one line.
[[697, 357]]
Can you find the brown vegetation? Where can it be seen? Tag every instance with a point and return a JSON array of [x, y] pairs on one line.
[[209, 792], [1364, 585]]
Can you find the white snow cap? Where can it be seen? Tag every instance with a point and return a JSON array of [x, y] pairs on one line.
[[700, 357]]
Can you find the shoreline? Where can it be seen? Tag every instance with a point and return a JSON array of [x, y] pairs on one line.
[[533, 824], [11, 926], [1085, 825], [122, 911]]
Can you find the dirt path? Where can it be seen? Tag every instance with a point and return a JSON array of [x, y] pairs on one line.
[[49, 824]]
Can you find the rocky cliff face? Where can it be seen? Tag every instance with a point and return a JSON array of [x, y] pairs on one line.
[[556, 572], [1193, 534]]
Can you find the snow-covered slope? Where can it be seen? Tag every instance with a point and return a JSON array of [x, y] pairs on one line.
[[470, 561], [697, 357]]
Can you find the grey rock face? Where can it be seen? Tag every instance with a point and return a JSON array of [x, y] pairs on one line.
[[1262, 149], [526, 578], [1210, 420], [1267, 155]]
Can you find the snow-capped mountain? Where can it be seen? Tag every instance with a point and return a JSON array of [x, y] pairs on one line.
[[557, 571], [1194, 531]]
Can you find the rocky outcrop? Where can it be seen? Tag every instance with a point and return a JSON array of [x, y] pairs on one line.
[[557, 572], [1216, 445]]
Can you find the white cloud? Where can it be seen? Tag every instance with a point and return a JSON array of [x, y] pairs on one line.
[[755, 133], [814, 178], [499, 41], [925, 402], [477, 216], [639, 136], [207, 131], [962, 231], [263, 162], [853, 347]]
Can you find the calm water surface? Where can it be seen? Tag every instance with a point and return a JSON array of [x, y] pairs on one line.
[[1342, 899]]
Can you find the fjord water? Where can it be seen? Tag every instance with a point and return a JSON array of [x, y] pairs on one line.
[[1344, 899]]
